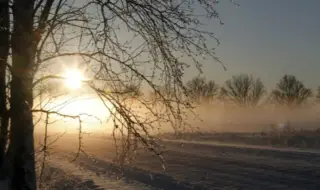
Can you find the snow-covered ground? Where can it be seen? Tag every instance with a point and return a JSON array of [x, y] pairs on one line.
[[188, 166], [80, 177]]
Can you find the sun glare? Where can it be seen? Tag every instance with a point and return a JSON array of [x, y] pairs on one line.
[[73, 79], [94, 114]]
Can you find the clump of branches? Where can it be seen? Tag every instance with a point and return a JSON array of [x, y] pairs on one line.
[[115, 41], [291, 92], [243, 90], [201, 90]]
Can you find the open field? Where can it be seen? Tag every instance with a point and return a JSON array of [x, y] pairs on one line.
[[190, 165], [303, 139]]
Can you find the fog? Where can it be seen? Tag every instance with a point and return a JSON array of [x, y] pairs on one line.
[[228, 118], [216, 117]]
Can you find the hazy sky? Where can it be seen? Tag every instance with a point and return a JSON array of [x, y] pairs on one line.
[[268, 38]]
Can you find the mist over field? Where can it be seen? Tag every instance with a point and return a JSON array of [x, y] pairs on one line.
[[218, 145], [215, 117], [194, 164], [221, 118]]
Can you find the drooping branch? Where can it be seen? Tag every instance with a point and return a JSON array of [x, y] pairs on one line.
[[77, 117], [125, 42], [44, 149]]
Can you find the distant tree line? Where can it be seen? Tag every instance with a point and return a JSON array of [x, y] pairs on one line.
[[247, 91], [199, 89]]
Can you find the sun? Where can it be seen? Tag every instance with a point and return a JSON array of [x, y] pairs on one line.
[[73, 79]]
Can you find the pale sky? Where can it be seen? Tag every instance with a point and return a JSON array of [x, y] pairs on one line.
[[268, 38]]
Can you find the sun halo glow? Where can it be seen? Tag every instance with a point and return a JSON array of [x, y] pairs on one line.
[[73, 79]]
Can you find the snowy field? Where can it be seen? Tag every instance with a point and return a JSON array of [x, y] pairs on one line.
[[189, 165]]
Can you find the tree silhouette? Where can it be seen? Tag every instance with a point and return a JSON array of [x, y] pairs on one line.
[[115, 41], [202, 90], [243, 90], [291, 92], [318, 94]]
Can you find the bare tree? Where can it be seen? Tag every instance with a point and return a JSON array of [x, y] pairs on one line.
[[202, 90], [115, 41], [318, 94], [243, 90], [291, 92]]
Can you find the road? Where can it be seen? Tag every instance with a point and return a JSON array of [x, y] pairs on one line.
[[206, 166]]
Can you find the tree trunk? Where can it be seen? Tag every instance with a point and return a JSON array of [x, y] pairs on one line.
[[21, 149], [4, 50]]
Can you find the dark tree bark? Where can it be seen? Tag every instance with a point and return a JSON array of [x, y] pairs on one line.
[[21, 149], [4, 50]]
